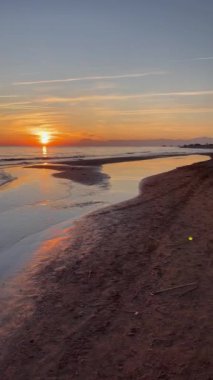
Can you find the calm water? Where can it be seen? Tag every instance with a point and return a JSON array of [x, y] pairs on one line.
[[61, 152], [35, 207], [13, 155]]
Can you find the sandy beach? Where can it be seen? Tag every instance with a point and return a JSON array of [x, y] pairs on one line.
[[128, 296]]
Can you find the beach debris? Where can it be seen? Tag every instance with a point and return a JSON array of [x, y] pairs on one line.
[[135, 313], [193, 284], [133, 331], [190, 238], [188, 291]]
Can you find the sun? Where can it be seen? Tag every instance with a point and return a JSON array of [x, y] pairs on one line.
[[44, 138]]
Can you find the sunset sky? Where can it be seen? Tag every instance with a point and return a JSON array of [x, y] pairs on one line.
[[105, 70]]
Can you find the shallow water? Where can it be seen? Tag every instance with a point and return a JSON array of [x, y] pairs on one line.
[[37, 206]]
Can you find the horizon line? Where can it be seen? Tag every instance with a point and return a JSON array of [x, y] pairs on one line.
[[84, 142]]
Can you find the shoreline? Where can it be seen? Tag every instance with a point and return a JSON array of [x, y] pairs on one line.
[[88, 171], [117, 159], [22, 226], [107, 323]]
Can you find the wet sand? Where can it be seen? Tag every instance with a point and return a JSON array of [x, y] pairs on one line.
[[129, 296], [113, 160], [84, 174]]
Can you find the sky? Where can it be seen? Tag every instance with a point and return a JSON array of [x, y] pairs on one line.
[[89, 71]]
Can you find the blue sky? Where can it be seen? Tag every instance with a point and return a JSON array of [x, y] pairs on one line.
[[106, 53]]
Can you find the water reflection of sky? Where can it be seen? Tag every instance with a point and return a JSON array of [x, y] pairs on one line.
[[125, 176], [37, 206]]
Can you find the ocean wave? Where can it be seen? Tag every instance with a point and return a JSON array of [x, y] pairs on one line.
[[5, 177], [42, 158], [24, 157], [13, 161]]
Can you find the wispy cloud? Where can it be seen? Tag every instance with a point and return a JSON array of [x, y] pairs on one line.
[[9, 96], [91, 78], [126, 97], [185, 93], [26, 105], [202, 59], [160, 111], [210, 58], [6, 105]]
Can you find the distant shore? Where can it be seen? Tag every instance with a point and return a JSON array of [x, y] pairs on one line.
[[129, 297], [198, 146]]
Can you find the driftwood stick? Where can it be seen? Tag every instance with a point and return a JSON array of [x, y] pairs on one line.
[[188, 291], [174, 287], [89, 273], [176, 243], [180, 242]]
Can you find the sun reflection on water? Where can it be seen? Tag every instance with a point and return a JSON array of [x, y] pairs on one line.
[[44, 150]]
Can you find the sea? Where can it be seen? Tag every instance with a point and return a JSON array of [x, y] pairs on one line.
[[38, 209]]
